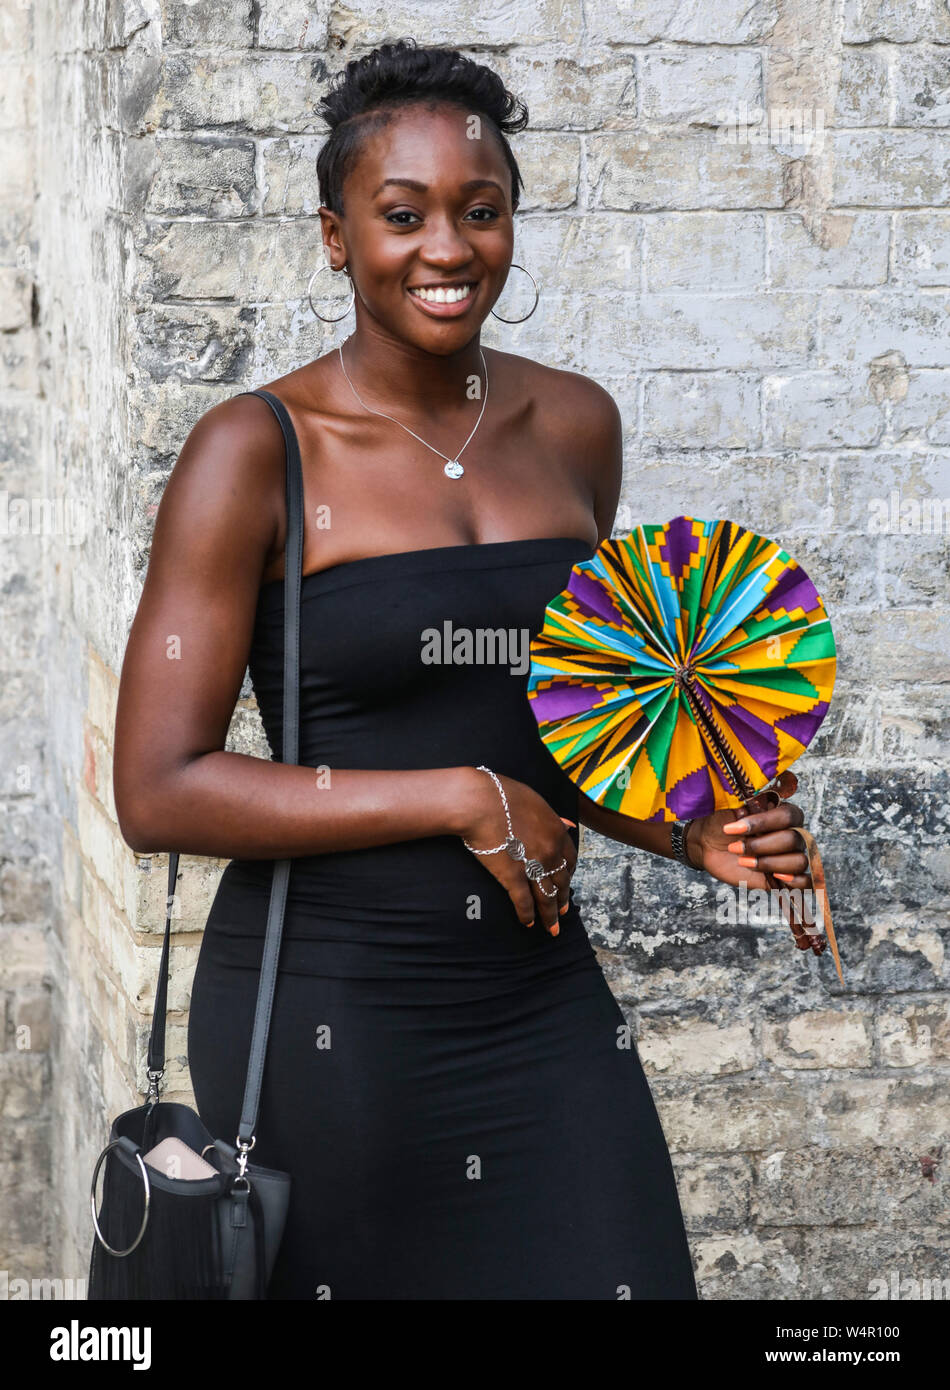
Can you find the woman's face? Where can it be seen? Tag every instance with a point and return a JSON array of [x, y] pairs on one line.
[[428, 203]]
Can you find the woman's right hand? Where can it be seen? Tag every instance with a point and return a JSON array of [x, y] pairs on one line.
[[544, 835]]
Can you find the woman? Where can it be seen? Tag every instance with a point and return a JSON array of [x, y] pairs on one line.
[[447, 1079]]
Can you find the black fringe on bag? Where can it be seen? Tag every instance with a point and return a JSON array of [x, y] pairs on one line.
[[179, 1256]]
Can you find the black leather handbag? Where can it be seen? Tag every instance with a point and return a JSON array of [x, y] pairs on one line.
[[185, 1215]]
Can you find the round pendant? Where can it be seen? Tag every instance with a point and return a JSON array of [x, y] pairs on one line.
[[453, 469]]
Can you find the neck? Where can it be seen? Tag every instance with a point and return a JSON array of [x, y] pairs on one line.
[[397, 376]]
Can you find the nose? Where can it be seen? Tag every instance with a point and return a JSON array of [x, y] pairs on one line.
[[446, 246]]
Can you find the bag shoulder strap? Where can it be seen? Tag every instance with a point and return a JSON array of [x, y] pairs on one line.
[[293, 566]]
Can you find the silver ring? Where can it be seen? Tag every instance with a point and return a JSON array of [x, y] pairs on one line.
[[536, 870], [92, 1200]]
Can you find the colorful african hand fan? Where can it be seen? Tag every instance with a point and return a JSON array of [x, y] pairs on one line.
[[682, 669]]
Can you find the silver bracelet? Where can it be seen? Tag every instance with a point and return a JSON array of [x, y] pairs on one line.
[[534, 869], [678, 832]]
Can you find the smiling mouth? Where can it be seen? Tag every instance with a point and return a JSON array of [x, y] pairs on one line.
[[444, 294]]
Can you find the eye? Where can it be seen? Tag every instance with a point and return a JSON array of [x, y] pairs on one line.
[[396, 217]]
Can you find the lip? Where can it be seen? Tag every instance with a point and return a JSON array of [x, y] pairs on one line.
[[444, 311]]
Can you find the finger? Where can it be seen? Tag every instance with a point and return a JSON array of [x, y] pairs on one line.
[[796, 864], [770, 863], [778, 842], [757, 822], [568, 852], [554, 891], [553, 899], [523, 900], [786, 815], [563, 882], [562, 902], [795, 880], [546, 906]]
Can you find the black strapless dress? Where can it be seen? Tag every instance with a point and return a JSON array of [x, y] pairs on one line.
[[448, 1089]]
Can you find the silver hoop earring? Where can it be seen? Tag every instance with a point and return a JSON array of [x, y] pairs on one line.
[[537, 296], [319, 271]]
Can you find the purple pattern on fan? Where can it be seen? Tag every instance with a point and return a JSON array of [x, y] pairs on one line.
[[563, 701], [592, 598], [690, 797], [793, 590], [803, 726], [678, 546], [754, 734]]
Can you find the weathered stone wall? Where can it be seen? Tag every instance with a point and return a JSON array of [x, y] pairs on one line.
[[28, 830], [772, 317]]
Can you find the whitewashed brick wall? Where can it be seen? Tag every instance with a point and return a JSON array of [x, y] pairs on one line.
[[774, 323]]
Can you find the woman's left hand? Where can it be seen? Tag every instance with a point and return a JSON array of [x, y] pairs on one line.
[[737, 847]]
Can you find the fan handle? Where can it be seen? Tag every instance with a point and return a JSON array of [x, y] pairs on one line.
[[805, 933], [767, 800]]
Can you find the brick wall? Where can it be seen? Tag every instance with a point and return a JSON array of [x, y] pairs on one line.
[[27, 826], [771, 317]]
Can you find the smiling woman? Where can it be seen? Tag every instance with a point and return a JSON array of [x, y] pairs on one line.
[[449, 1080]]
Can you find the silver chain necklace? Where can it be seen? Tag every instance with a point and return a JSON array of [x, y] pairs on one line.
[[452, 469]]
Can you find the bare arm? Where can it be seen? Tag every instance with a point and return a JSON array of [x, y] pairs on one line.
[[649, 835], [175, 786]]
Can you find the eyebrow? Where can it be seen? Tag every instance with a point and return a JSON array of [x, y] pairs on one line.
[[418, 187]]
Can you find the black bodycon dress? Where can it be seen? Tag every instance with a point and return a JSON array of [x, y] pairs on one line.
[[448, 1089]]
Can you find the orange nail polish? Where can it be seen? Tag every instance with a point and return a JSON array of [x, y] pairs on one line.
[[555, 929], [562, 910], [735, 826], [737, 847], [747, 863]]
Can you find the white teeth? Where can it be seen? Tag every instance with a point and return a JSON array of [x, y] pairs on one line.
[[443, 296]]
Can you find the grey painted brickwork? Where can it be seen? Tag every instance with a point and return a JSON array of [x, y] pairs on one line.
[[774, 325]]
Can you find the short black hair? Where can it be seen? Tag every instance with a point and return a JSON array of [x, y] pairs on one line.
[[372, 89]]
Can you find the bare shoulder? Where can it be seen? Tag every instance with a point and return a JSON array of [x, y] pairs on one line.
[[237, 442], [224, 496], [584, 403], [581, 421]]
